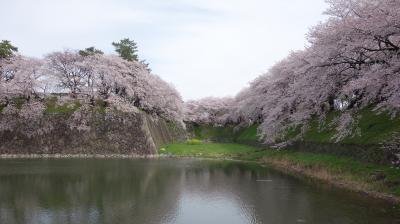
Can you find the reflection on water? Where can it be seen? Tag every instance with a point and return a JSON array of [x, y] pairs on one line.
[[171, 191]]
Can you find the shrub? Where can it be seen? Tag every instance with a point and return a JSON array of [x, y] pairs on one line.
[[193, 141]]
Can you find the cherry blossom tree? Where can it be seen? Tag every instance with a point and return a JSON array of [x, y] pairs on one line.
[[119, 80], [70, 69], [19, 76], [210, 110]]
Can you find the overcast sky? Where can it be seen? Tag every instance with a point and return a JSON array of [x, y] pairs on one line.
[[203, 47]]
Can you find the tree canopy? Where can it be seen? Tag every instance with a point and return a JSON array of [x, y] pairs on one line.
[[90, 51], [7, 49], [126, 49]]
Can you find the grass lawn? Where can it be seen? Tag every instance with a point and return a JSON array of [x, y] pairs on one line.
[[345, 171], [215, 150]]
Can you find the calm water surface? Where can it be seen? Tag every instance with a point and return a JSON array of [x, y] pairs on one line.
[[172, 191]]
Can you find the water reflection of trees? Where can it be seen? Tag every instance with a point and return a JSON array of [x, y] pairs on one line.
[[284, 199], [90, 191], [150, 191]]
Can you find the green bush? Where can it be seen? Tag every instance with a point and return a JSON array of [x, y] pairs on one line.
[[19, 101], [66, 108], [193, 141]]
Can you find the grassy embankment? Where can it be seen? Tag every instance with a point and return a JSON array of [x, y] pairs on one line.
[[226, 134], [374, 128]]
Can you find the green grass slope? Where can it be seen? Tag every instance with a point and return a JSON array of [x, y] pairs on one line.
[[246, 135], [374, 128]]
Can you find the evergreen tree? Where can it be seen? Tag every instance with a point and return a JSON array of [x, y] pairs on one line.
[[90, 51], [7, 49], [127, 49]]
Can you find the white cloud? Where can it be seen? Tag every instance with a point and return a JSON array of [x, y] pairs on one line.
[[204, 47]]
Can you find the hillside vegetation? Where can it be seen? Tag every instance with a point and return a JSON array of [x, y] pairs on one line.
[[246, 135]]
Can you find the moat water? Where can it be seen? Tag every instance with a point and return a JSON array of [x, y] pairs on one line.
[[183, 191]]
